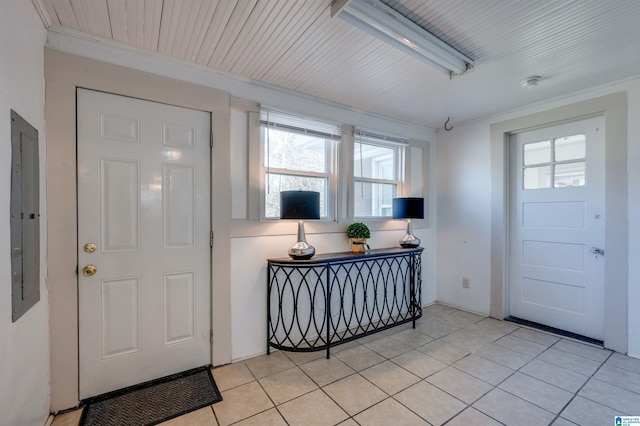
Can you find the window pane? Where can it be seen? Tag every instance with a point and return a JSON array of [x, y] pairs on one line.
[[537, 153], [279, 182], [570, 148], [537, 177], [294, 151], [569, 174], [373, 161], [374, 199]]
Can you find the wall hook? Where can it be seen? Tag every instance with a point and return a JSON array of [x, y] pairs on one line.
[[445, 125]]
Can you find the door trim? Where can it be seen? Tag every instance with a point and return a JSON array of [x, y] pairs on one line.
[[614, 109], [64, 73]]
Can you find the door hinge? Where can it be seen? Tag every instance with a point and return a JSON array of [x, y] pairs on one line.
[[211, 337], [211, 139], [211, 238]]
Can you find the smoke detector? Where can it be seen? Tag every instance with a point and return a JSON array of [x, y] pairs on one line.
[[531, 82]]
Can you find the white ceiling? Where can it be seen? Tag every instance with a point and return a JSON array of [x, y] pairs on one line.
[[295, 44]]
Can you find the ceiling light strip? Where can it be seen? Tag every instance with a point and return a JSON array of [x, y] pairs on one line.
[[386, 24]]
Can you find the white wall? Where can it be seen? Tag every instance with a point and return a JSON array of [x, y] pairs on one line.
[[464, 206], [24, 345]]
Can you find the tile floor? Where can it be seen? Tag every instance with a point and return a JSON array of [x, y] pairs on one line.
[[455, 368]]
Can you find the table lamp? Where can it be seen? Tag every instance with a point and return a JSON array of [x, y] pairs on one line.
[[300, 205], [409, 208]]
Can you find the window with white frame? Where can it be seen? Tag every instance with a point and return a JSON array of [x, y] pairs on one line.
[[377, 172], [299, 153]]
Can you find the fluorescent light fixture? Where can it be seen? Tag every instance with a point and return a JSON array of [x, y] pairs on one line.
[[386, 24]]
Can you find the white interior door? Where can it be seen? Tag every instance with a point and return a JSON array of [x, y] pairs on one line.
[[557, 227], [144, 202]]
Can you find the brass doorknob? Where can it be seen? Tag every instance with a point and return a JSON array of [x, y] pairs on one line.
[[89, 270]]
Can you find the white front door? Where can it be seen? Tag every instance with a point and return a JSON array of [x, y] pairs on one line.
[[557, 227], [144, 203]]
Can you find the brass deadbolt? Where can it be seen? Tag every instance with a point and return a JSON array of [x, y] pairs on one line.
[[90, 247]]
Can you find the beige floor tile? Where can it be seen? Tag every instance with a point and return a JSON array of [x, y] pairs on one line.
[[466, 317], [624, 362], [412, 338], [388, 347], [503, 356], [232, 375], [266, 365], [344, 346], [349, 422], [443, 351], [70, 418], [611, 396], [389, 377], [583, 412], [472, 417], [460, 384], [539, 337], [354, 394], [299, 358], [523, 346], [325, 371], [570, 361], [492, 325], [467, 339], [438, 309], [430, 403], [537, 392], [512, 410], [562, 422], [557, 376], [483, 369], [286, 385], [314, 408], [437, 328], [389, 412], [422, 365], [266, 418], [203, 416], [240, 403], [586, 351], [359, 357], [619, 377]]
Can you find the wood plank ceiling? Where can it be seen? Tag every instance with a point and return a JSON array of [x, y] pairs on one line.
[[296, 45]]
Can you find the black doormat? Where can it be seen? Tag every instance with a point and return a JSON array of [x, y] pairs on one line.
[[153, 402]]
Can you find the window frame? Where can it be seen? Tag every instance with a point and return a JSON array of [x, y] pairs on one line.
[[330, 165], [399, 147]]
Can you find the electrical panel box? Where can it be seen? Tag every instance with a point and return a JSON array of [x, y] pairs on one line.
[[25, 216]]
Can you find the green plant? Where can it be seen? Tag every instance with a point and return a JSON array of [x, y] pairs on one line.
[[358, 230]]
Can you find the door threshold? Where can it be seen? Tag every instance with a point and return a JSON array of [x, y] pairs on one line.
[[557, 331]]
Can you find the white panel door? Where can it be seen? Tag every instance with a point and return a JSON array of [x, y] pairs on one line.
[[144, 202], [557, 227]]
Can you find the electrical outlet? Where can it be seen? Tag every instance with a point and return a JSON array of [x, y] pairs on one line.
[[465, 282]]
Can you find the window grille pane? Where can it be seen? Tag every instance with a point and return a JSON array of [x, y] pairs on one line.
[[293, 151], [570, 148], [537, 153], [373, 161], [569, 174], [374, 199], [277, 182], [537, 177]]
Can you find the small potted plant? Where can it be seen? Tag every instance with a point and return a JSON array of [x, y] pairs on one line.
[[358, 233]]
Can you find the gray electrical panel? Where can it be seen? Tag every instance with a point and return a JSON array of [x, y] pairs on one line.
[[25, 217]]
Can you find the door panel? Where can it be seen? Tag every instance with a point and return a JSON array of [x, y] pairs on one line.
[[557, 206], [144, 201]]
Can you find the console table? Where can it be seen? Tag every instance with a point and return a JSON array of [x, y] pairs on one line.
[[333, 298]]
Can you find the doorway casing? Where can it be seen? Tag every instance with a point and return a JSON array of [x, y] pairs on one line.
[[614, 110], [64, 73]]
